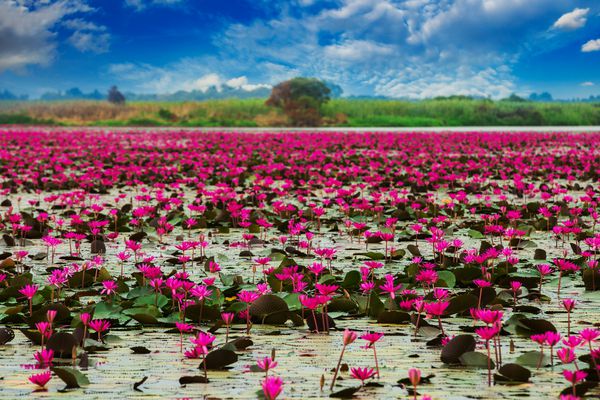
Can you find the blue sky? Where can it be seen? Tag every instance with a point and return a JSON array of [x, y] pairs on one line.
[[398, 48]]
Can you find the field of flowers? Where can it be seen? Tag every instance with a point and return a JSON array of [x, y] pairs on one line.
[[183, 264]]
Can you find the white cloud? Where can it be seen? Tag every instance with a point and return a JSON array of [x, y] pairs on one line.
[[489, 82], [187, 74], [357, 50], [86, 41], [592, 45], [401, 48], [79, 24], [27, 34], [572, 20], [88, 36], [587, 84], [413, 48], [204, 82], [140, 5]]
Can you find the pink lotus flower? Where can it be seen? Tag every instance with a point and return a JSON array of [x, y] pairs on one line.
[[349, 337], [85, 318], [574, 376], [99, 325], [29, 291], [272, 387], [41, 379], [362, 374], [389, 286], [44, 357], [265, 364], [372, 338], [414, 375], [110, 287], [566, 355], [204, 340], [437, 309], [50, 315], [487, 333], [589, 334]]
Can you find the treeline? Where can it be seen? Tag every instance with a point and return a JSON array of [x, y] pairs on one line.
[[336, 112]]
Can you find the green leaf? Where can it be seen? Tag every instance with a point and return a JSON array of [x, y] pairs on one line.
[[351, 280], [293, 301], [237, 307], [72, 377], [226, 279], [532, 359], [106, 310], [398, 254], [476, 234], [372, 255], [376, 306], [150, 299], [326, 278], [448, 277], [475, 359], [139, 291], [145, 319]]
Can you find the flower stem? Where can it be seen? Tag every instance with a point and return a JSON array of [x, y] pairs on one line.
[[337, 368]]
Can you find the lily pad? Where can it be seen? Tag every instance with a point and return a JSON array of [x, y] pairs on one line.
[[71, 376], [475, 359], [456, 347]]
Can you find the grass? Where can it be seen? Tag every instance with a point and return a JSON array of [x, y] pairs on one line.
[[338, 112]]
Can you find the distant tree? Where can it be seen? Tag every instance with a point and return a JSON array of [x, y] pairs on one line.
[[115, 97], [74, 93], [300, 99], [336, 90], [454, 97], [515, 99], [545, 96], [7, 95]]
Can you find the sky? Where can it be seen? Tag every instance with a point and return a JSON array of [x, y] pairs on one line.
[[396, 48]]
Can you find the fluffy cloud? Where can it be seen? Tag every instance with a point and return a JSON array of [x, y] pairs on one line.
[[86, 41], [592, 45], [27, 34], [357, 50], [188, 75], [401, 48], [88, 36], [587, 84], [572, 20], [411, 48], [140, 5]]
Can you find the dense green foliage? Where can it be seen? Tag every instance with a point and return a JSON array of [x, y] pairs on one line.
[[301, 100], [336, 112]]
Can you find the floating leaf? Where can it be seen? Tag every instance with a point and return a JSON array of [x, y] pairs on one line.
[[71, 376], [219, 359], [393, 317], [347, 393], [475, 359], [475, 234], [186, 380], [456, 347], [140, 350], [6, 335], [512, 373], [447, 278], [532, 359], [269, 309], [351, 280]]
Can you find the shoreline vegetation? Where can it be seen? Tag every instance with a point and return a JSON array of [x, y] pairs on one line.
[[447, 112]]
